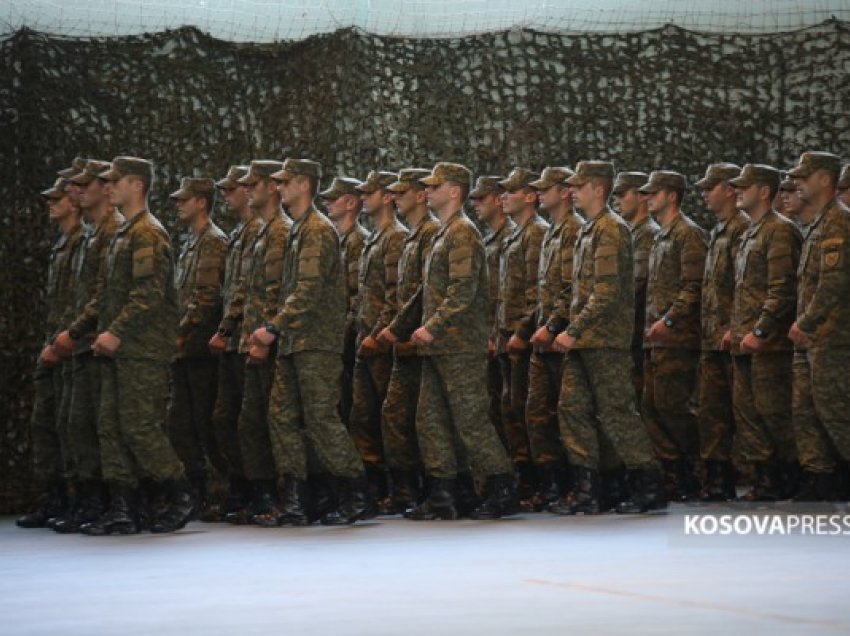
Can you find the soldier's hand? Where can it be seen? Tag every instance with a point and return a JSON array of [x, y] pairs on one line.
[[262, 336], [658, 332], [257, 354], [422, 337], [491, 347], [798, 336], [751, 343], [543, 339], [371, 347], [64, 344], [517, 344], [564, 342], [217, 344], [387, 337], [726, 341], [48, 356], [106, 344]]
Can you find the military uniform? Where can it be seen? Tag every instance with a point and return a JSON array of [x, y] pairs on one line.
[[194, 372], [377, 306], [515, 316]]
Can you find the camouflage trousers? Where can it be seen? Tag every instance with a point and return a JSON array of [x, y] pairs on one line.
[[83, 445], [669, 412], [595, 403], [371, 379], [303, 416], [541, 411], [347, 387], [190, 411], [131, 422], [44, 424], [228, 403], [452, 411], [514, 397], [494, 393], [638, 358], [821, 407], [762, 402], [398, 420], [715, 415], [254, 444]]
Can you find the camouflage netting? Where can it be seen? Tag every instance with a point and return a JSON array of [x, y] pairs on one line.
[[665, 98]]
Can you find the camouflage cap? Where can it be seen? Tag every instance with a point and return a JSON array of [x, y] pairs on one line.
[[231, 180], [193, 187], [518, 179], [664, 180], [787, 184], [58, 190], [485, 186], [627, 180], [844, 179], [340, 187], [298, 167], [77, 166], [756, 173], [408, 178], [93, 169], [716, 173], [586, 170], [260, 169], [127, 166], [445, 171], [552, 176], [377, 180], [812, 161]]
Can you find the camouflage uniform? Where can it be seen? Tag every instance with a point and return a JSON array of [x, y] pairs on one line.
[[198, 277], [351, 247], [518, 269], [643, 237], [377, 306]]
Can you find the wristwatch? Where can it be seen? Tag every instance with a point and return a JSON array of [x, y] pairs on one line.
[[270, 327], [574, 332], [552, 328], [224, 333], [668, 323], [758, 332]]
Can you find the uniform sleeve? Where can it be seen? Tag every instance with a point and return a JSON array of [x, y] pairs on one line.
[[603, 297], [205, 300], [465, 263], [691, 269], [833, 285], [409, 316], [272, 265], [783, 255], [86, 320], [234, 304], [531, 264], [560, 316], [392, 255]]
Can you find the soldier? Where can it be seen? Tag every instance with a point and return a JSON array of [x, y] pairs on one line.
[[83, 445], [46, 423], [843, 186], [377, 306], [765, 293], [135, 307], [631, 205], [225, 342], [263, 282], [515, 317], [597, 364], [452, 341], [821, 396], [343, 203], [673, 293], [790, 199], [486, 200], [194, 372], [554, 294], [715, 415], [398, 421], [308, 329]]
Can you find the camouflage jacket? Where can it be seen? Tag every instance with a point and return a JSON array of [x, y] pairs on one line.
[[311, 306], [555, 273], [378, 279], [765, 282], [264, 277], [603, 302], [676, 265], [59, 293], [351, 247], [494, 243], [87, 267], [237, 266], [518, 281], [454, 295], [135, 298], [198, 278], [823, 279], [718, 281], [643, 236]]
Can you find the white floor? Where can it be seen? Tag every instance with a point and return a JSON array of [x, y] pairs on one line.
[[535, 574]]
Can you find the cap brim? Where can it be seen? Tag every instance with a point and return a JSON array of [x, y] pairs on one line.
[[180, 194], [67, 173], [738, 182], [399, 187], [799, 172], [330, 195], [226, 184], [649, 189], [540, 184], [706, 184], [281, 175], [431, 180], [52, 193], [83, 178], [109, 175], [576, 180]]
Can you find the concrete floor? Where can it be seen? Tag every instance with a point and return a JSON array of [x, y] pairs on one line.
[[534, 574]]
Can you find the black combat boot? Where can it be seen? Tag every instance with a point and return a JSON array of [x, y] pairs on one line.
[[526, 485], [549, 479], [54, 506], [321, 488], [293, 504], [466, 496], [179, 510], [686, 483], [236, 504], [208, 509], [766, 487], [499, 498], [647, 492], [263, 500], [379, 487], [815, 487], [439, 504], [122, 516], [355, 503], [788, 473], [613, 489], [88, 506], [719, 481], [404, 491], [583, 497]]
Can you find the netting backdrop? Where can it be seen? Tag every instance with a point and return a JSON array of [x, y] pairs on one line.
[[665, 98]]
